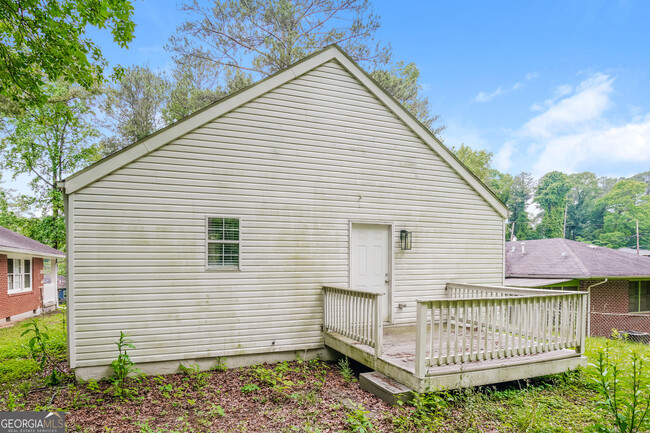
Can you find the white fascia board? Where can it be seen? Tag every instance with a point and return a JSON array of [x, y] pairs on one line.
[[424, 134], [129, 154], [23, 251]]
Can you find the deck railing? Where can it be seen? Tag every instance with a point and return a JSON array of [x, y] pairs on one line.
[[494, 323], [354, 314]]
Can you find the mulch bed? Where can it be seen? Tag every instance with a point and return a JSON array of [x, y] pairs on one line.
[[295, 396]]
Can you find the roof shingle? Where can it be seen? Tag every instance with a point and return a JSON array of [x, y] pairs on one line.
[[563, 258], [13, 242]]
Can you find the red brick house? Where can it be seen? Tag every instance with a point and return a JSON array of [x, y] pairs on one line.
[[618, 282], [23, 263]]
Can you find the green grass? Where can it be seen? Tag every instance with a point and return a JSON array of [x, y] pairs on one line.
[[16, 363], [566, 402]]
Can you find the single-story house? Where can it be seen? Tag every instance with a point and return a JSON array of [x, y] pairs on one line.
[[23, 264], [307, 211], [618, 282]]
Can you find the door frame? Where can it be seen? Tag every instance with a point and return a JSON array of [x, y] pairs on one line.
[[390, 226]]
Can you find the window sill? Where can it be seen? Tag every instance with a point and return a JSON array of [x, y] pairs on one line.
[[20, 292], [222, 268]]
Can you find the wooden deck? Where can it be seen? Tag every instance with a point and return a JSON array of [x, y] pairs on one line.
[[398, 362], [465, 342]]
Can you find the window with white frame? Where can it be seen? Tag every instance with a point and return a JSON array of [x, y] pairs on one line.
[[222, 242], [19, 275]]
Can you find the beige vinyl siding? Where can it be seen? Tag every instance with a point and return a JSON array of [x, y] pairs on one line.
[[296, 165]]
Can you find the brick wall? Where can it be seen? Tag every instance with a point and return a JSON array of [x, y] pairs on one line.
[[13, 304], [609, 309]]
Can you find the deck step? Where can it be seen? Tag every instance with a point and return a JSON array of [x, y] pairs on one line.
[[384, 387]]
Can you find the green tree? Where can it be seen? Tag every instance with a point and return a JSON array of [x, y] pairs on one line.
[[551, 196], [500, 184], [624, 205], [45, 41], [8, 217], [478, 161], [643, 177], [135, 106], [194, 85], [48, 141], [582, 214], [520, 197], [260, 37], [402, 82]]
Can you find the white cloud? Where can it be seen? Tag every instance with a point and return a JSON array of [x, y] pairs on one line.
[[629, 143], [574, 112], [488, 96], [573, 132], [502, 158]]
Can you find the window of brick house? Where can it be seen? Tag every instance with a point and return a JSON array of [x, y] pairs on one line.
[[639, 296], [19, 275]]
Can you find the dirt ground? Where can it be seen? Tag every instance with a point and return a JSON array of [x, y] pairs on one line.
[[296, 396]]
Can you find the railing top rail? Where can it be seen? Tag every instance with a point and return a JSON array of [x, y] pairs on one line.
[[502, 289], [345, 289], [494, 298]]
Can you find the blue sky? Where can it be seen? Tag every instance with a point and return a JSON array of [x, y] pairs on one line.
[[546, 85]]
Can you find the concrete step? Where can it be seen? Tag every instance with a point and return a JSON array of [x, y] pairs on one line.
[[385, 388]]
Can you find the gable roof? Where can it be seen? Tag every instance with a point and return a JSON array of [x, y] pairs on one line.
[[12, 242], [130, 153], [563, 258]]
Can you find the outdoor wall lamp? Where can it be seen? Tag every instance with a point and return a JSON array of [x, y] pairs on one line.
[[405, 239]]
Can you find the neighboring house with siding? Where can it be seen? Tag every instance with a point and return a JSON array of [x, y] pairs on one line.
[[23, 264], [215, 236], [618, 282]]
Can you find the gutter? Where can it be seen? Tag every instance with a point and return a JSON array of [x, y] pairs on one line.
[[589, 304], [32, 253]]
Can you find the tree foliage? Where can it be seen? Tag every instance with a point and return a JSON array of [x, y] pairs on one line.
[[264, 36], [247, 39], [402, 82], [45, 41], [551, 196], [135, 106], [478, 161], [521, 196], [46, 142]]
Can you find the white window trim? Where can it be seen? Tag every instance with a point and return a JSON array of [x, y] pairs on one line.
[[218, 268], [23, 259]]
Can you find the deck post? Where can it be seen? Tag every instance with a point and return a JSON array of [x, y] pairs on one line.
[[421, 340], [379, 325], [582, 328]]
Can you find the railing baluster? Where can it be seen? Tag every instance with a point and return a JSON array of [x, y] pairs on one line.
[[432, 347]]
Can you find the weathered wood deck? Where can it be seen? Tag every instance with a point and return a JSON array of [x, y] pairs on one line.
[[465, 342]]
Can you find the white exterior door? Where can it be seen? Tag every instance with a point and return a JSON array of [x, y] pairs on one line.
[[370, 261]]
